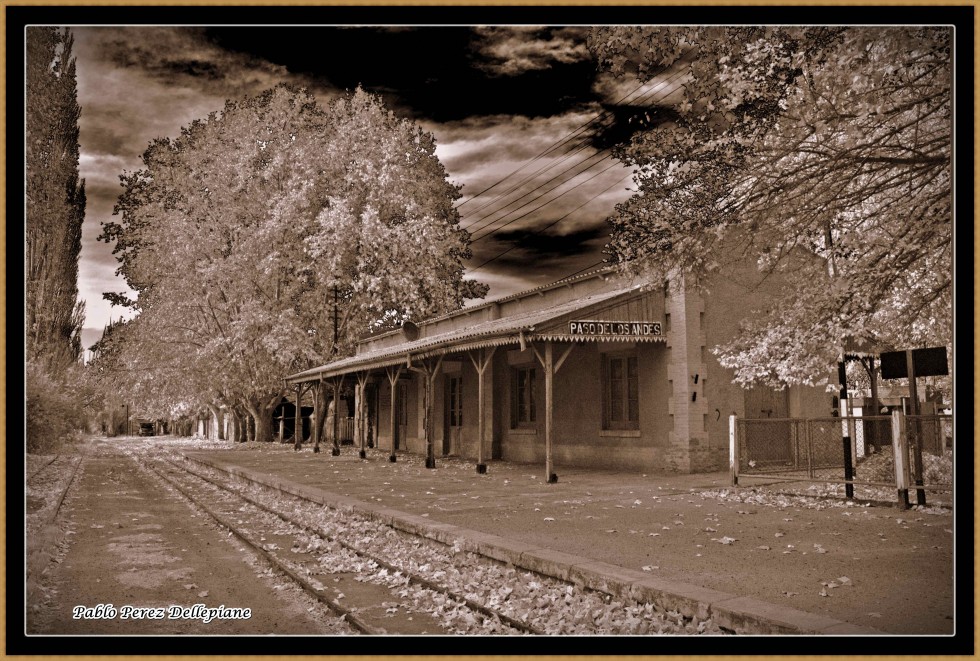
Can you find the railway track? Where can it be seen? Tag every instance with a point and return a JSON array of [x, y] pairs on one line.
[[49, 472], [225, 505], [468, 593], [43, 467]]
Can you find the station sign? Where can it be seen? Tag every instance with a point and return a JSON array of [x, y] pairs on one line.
[[925, 362], [615, 328]]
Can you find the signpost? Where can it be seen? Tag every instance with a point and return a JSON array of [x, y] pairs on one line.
[[924, 362], [911, 364]]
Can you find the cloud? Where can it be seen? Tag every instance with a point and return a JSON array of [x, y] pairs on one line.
[[506, 282], [494, 98], [513, 51], [541, 247], [481, 151], [181, 56]]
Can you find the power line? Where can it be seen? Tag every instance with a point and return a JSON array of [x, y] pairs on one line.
[[582, 147], [587, 268], [659, 87], [602, 157], [553, 223], [546, 203], [488, 220], [550, 148]]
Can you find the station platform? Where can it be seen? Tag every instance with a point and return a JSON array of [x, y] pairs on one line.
[[754, 560]]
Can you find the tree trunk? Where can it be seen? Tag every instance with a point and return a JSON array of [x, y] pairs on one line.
[[237, 433], [249, 426], [217, 431], [262, 417]]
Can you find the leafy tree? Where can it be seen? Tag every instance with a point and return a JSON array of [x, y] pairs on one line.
[[245, 237], [820, 154], [55, 200]]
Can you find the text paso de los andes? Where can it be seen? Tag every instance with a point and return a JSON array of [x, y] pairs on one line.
[[633, 328]]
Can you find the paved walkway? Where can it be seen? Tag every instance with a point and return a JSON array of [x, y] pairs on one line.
[[762, 562]]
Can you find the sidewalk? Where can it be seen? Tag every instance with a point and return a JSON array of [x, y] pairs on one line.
[[763, 563]]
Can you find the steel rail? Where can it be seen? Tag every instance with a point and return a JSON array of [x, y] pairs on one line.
[[350, 617], [64, 492], [413, 578], [38, 471]]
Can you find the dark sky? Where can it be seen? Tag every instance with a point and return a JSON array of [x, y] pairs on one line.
[[494, 98]]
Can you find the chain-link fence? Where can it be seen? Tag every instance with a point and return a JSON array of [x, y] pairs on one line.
[[815, 450], [929, 441]]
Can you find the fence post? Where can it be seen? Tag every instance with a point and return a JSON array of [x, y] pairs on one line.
[[809, 448], [852, 433], [848, 464], [900, 451], [733, 449], [795, 433]]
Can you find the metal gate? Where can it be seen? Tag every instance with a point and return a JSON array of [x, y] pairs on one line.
[[813, 450]]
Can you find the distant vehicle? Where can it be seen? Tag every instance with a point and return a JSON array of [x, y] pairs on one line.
[[146, 429]]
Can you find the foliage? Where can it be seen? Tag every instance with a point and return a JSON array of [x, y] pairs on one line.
[[54, 412], [820, 154], [55, 200], [249, 234]]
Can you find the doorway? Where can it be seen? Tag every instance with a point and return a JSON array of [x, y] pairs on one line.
[[401, 415], [454, 415]]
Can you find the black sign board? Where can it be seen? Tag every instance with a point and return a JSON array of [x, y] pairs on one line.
[[927, 362]]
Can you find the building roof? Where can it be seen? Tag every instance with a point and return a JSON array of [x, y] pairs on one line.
[[540, 324]]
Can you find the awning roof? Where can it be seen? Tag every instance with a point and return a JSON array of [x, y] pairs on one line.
[[498, 332]]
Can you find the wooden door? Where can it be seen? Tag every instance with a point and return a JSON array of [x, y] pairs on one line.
[[454, 415], [401, 415]]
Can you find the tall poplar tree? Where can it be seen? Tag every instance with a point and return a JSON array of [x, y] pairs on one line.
[[55, 200]]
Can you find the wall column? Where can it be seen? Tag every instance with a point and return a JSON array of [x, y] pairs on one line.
[[688, 449]]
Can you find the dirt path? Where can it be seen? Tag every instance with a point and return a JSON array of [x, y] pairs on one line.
[[137, 544]]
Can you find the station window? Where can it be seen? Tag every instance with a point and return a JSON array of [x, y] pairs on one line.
[[621, 392], [523, 409]]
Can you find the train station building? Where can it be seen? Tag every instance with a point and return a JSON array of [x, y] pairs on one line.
[[592, 371]]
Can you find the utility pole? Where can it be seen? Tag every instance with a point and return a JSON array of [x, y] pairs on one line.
[[335, 330], [846, 442]]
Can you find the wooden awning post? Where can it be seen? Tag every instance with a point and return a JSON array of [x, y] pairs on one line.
[[359, 413], [549, 402], [298, 425], [429, 372], [550, 369], [393, 374], [315, 422], [481, 368], [335, 451]]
